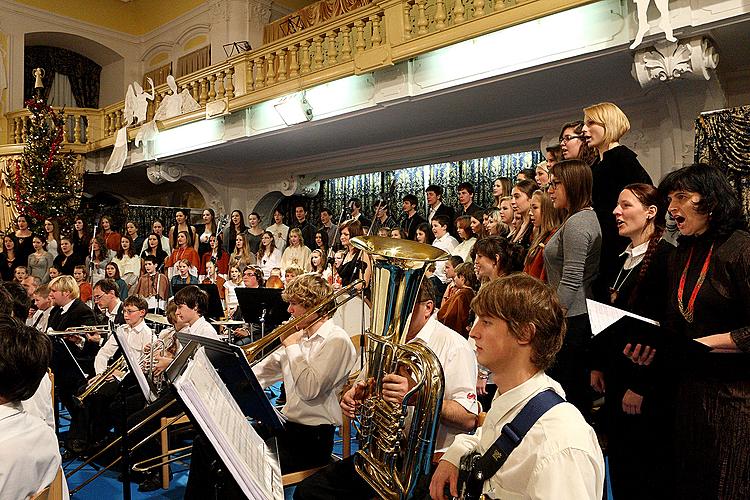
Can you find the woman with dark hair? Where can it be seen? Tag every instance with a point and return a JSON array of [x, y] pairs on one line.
[[500, 187], [67, 259], [455, 311], [23, 234], [467, 237], [708, 299], [354, 259], [154, 248], [268, 255], [128, 261], [477, 225], [236, 226], [80, 237], [617, 166], [113, 272], [182, 224], [131, 229], [52, 236], [254, 231], [8, 257], [521, 202], [634, 407], [424, 234], [183, 251], [571, 261], [494, 257], [205, 231], [322, 243], [101, 257], [573, 144], [217, 255], [545, 219], [111, 237], [41, 260]]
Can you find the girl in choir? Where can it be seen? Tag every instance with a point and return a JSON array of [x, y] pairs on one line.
[[235, 280], [254, 232], [541, 175], [424, 234], [521, 203], [494, 225], [205, 231], [212, 276], [182, 224], [67, 259], [573, 144], [183, 276], [23, 234], [477, 226], [52, 236], [132, 230], [268, 255], [500, 188], [455, 312], [296, 254], [493, 257], [317, 262], [20, 274], [154, 248], [321, 242], [506, 211], [128, 261], [399, 234], [236, 226], [331, 273], [450, 271], [241, 257], [101, 257], [54, 272], [571, 261], [111, 237], [217, 255], [183, 251], [279, 230], [80, 237], [633, 408], [112, 272], [158, 228], [545, 218], [41, 260], [86, 291], [466, 236]]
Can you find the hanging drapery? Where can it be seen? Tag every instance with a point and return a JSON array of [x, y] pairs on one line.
[[310, 16], [722, 139], [82, 72], [194, 61], [158, 75]]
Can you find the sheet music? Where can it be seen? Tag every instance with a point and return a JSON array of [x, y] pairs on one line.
[[602, 316], [255, 467], [134, 362]]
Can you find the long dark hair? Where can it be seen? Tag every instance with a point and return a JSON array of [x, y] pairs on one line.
[[718, 200], [121, 251], [586, 153], [507, 257], [427, 230]]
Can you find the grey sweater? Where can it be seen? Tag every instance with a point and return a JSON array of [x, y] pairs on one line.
[[571, 259]]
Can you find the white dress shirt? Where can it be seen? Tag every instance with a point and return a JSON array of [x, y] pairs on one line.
[[558, 458], [203, 328], [40, 404], [313, 371], [138, 337], [459, 370], [447, 243], [39, 319], [268, 262], [432, 211], [463, 249], [29, 453]]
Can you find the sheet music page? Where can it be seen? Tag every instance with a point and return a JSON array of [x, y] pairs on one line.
[[602, 316], [134, 362], [243, 451]]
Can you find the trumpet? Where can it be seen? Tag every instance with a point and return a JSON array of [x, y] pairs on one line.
[[81, 331]]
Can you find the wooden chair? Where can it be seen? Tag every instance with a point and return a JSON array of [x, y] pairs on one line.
[[54, 491], [164, 439], [294, 478]]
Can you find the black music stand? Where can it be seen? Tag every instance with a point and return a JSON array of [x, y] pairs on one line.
[[215, 309], [234, 370], [263, 306]]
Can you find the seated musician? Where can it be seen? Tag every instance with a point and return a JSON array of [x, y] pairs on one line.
[[459, 408], [192, 304], [107, 299], [314, 363], [29, 452], [519, 329]]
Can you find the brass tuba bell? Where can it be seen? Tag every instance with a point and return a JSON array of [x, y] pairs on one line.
[[392, 458]]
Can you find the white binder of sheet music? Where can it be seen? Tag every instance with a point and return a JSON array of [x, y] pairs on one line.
[[133, 360], [246, 456], [602, 316]]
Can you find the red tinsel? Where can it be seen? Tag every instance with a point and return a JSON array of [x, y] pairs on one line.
[[23, 207]]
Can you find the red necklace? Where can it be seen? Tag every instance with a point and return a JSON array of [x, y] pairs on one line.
[[688, 314]]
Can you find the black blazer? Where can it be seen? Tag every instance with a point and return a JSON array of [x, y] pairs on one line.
[[79, 314], [470, 210]]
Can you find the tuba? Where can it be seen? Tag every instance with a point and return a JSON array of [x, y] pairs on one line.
[[392, 458]]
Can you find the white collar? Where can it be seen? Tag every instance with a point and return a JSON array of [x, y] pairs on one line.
[[633, 252], [65, 308]]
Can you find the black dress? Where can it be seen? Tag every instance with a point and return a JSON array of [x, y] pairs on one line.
[[618, 168], [712, 390]]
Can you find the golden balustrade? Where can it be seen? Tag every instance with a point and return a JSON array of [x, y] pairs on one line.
[[374, 36]]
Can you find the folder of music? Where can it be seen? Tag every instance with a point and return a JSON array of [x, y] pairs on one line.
[[132, 359], [252, 463]]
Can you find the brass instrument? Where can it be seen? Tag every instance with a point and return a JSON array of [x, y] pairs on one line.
[[97, 381], [394, 459], [81, 331], [255, 349]]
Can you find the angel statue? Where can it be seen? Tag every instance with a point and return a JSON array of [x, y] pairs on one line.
[[174, 104], [136, 105], [664, 22]]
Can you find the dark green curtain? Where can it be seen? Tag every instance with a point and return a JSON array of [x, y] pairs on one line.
[[722, 139], [83, 73]]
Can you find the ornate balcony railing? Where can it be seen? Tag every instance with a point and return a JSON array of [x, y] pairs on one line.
[[366, 39]]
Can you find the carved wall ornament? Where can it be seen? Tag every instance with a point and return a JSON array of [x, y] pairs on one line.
[[691, 59], [159, 173]]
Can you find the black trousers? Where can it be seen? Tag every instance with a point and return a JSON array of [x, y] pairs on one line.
[[300, 447], [571, 364]]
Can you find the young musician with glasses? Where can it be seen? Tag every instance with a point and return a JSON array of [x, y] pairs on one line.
[[519, 329]]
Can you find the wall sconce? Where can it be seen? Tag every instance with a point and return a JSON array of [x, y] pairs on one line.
[[294, 109]]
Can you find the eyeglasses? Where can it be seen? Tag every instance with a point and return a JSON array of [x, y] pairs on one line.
[[97, 298], [130, 311], [568, 138]]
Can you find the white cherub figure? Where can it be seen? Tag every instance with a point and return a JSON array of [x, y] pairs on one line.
[[174, 104], [664, 22], [136, 106]]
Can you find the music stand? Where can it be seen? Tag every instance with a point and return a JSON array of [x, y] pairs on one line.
[[262, 305], [215, 309], [234, 370]]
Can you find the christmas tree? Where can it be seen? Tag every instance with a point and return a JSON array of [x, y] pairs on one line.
[[45, 181]]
